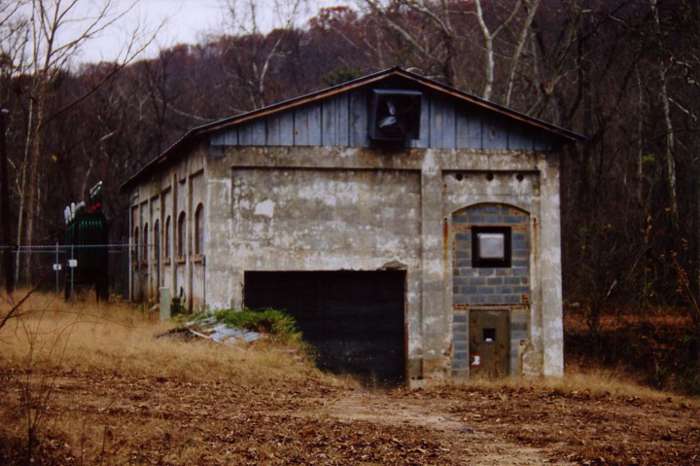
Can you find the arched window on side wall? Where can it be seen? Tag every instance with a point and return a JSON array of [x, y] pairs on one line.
[[144, 258], [199, 230], [135, 251], [181, 236], [156, 240], [166, 241]]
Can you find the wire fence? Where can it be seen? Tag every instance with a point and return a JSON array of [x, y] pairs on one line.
[[72, 268], [116, 270]]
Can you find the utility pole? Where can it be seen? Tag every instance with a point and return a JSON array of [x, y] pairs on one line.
[[5, 208]]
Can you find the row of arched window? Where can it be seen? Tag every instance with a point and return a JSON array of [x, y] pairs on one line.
[[180, 236]]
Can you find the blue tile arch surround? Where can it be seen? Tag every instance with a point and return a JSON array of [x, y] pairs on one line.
[[490, 285]]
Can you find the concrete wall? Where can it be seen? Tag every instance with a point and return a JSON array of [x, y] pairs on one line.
[[345, 208], [361, 209], [179, 188]]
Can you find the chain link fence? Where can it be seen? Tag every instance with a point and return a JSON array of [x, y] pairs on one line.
[[72, 268]]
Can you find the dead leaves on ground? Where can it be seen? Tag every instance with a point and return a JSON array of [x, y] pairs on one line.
[[109, 418]]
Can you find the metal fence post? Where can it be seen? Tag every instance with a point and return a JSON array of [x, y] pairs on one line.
[[56, 264], [72, 270], [204, 282]]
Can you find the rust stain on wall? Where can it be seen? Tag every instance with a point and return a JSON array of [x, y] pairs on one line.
[[445, 240]]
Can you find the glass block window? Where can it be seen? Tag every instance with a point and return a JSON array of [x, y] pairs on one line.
[[491, 246]]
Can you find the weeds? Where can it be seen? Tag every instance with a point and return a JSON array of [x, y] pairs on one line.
[[270, 321], [50, 338], [114, 337]]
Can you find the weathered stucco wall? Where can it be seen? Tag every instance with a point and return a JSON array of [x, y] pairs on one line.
[[179, 188], [323, 208], [340, 208]]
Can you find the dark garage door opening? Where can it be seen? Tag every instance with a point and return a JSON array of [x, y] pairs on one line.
[[355, 320]]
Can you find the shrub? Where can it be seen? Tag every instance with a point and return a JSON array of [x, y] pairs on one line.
[[271, 321]]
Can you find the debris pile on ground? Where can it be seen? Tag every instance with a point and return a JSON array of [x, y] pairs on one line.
[[232, 326], [211, 329], [222, 333]]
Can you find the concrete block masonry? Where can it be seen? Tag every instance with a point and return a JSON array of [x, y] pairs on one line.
[[508, 285]]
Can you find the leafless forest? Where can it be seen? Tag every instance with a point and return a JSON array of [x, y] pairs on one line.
[[626, 73]]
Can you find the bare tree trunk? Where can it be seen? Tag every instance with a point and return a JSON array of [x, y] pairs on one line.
[[521, 45], [670, 138], [641, 200], [34, 171], [490, 66], [23, 187], [670, 148], [86, 176], [640, 140], [488, 50], [5, 208]]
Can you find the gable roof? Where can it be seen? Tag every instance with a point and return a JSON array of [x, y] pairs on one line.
[[196, 132]]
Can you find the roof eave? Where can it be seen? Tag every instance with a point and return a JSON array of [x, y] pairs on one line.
[[566, 135], [532, 121], [162, 158]]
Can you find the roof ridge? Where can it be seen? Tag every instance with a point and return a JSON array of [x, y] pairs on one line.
[[346, 86]]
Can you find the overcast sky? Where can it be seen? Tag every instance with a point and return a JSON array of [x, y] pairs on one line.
[[183, 21]]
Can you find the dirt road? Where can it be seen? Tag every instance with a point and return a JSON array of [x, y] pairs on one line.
[[104, 417]]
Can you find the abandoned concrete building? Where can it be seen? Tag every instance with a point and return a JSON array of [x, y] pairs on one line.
[[413, 230]]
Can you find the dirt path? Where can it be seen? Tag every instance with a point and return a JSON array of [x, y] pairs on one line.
[[469, 444], [111, 418]]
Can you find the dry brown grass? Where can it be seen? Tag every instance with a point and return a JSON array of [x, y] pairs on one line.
[[594, 381], [659, 317], [119, 337], [86, 336], [118, 395]]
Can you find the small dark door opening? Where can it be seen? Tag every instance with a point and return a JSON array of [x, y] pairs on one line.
[[489, 343], [355, 320]]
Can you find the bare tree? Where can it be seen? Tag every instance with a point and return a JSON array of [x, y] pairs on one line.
[[489, 37], [13, 38], [450, 38], [53, 46], [670, 136], [532, 6], [244, 19]]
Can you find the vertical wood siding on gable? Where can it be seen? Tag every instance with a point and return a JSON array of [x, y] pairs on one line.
[[342, 120], [307, 126], [494, 133], [468, 130], [423, 141], [443, 132], [253, 134], [335, 120], [359, 136]]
